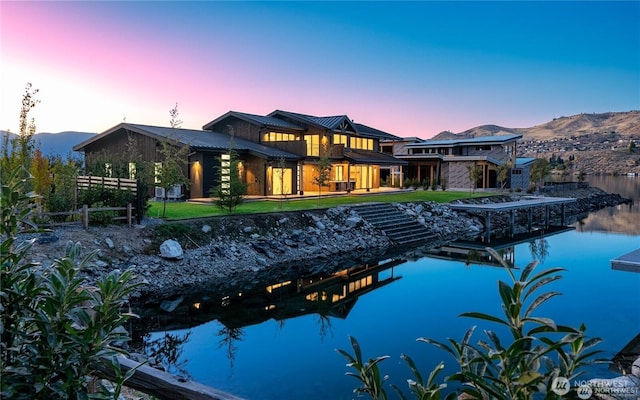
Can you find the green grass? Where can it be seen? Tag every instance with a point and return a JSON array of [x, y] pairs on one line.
[[182, 210]]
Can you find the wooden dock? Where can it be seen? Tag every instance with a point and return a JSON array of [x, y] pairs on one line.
[[628, 262], [525, 203]]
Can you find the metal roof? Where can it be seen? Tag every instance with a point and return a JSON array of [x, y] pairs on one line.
[[375, 133], [331, 122], [261, 120], [524, 160], [196, 139], [466, 141], [372, 157]]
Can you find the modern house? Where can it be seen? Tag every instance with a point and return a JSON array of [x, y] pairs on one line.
[[450, 161], [278, 153]]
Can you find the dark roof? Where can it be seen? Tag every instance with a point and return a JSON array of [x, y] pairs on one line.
[[260, 120], [372, 157], [195, 139], [375, 133], [466, 141], [332, 122]]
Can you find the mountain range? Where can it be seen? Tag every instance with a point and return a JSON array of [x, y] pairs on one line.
[[55, 144]]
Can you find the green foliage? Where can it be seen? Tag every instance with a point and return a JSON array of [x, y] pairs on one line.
[[368, 373], [539, 171], [503, 173], [171, 169], [232, 189], [475, 173], [519, 365], [19, 151], [100, 196], [62, 195], [56, 332], [324, 170]]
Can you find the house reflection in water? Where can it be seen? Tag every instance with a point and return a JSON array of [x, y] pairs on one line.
[[327, 295], [475, 252]]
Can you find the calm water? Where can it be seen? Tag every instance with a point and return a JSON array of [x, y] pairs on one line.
[[276, 345]]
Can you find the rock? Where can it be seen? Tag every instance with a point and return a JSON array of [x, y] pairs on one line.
[[170, 249], [635, 368], [206, 228], [353, 221], [47, 238], [109, 243], [320, 225], [170, 305], [247, 229]]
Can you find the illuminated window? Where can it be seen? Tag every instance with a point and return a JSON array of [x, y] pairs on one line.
[[108, 169], [340, 139], [157, 169], [361, 143], [132, 170], [313, 145], [278, 137], [339, 172]]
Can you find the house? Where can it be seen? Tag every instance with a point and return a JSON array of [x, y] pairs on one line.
[[449, 161], [278, 153]]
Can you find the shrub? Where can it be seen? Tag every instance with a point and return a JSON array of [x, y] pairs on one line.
[[538, 351], [56, 332]]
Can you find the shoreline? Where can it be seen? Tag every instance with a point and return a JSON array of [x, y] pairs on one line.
[[238, 251]]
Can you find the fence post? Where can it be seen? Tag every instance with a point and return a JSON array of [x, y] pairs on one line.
[[129, 213], [85, 216]]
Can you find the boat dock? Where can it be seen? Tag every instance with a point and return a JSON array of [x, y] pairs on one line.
[[525, 203], [628, 262]]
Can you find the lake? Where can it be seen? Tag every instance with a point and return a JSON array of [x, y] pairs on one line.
[[280, 343]]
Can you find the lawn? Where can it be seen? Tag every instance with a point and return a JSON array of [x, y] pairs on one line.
[[182, 210]]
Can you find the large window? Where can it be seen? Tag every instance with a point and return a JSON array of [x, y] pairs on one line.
[[278, 137], [340, 139], [313, 145], [361, 143]]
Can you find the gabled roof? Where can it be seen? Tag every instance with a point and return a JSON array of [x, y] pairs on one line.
[[195, 139], [497, 139], [331, 123], [375, 133], [261, 120]]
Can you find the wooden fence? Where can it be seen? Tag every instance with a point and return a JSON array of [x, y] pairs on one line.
[[85, 182], [132, 185], [85, 210]]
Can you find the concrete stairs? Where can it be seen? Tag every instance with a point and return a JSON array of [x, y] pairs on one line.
[[398, 227]]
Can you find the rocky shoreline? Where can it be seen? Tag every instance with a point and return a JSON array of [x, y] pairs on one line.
[[241, 251]]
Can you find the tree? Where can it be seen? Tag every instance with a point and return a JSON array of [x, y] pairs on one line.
[[632, 147], [170, 170], [475, 173], [231, 191], [324, 170], [503, 173], [20, 152], [282, 163], [539, 170], [40, 170]]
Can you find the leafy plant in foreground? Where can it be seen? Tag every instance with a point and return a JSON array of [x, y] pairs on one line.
[[537, 350], [56, 332]]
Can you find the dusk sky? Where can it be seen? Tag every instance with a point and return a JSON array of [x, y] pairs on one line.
[[411, 69]]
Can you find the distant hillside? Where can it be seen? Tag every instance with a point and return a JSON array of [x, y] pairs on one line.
[[625, 124], [598, 142], [52, 144]]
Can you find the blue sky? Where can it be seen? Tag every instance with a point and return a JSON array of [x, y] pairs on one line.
[[410, 68]]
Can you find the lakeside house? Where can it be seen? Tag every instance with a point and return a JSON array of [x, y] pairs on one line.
[[278, 153], [450, 160]]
